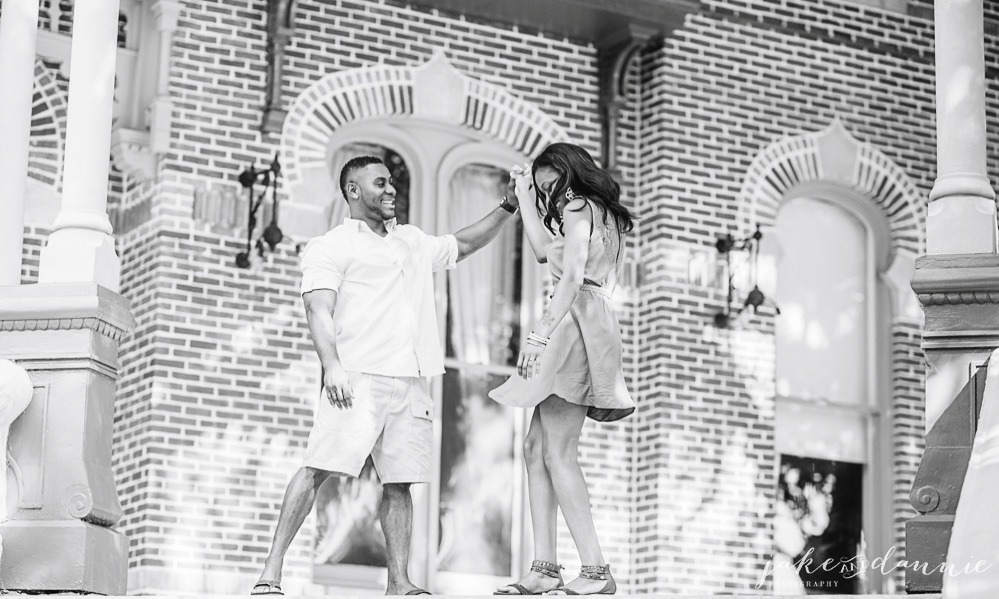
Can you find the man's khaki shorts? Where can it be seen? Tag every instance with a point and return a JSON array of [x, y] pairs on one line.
[[391, 420]]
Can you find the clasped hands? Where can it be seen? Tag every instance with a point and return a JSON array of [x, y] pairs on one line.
[[521, 183]]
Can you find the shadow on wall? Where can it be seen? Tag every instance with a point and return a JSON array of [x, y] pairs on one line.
[[719, 484]]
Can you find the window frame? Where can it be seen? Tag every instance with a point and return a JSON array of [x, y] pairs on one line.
[[877, 527], [489, 153]]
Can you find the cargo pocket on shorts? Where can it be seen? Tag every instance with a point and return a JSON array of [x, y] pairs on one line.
[[423, 407]]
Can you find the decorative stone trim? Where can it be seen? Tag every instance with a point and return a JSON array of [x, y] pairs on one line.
[[957, 279], [132, 154], [434, 91], [836, 156], [95, 324], [957, 298], [65, 306]]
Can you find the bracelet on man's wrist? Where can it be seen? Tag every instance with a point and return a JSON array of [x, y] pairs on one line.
[[506, 205]]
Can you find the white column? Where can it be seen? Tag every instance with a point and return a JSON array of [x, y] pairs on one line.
[[962, 210], [80, 247], [18, 29]]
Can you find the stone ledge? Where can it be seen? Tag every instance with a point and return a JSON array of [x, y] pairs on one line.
[[63, 306]]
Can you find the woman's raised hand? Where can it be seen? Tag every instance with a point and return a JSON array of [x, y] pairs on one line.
[[521, 184]]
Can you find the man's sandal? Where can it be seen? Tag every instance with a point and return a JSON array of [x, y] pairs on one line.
[[591, 573], [545, 569], [270, 588]]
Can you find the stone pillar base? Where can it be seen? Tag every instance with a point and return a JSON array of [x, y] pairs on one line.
[[962, 224], [926, 541], [62, 497], [80, 256], [63, 556]]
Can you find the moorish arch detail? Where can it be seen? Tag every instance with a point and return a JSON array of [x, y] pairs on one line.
[[48, 124], [434, 91], [423, 112], [833, 156]]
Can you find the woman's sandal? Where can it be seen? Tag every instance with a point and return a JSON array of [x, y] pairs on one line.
[[270, 588], [545, 569], [591, 573]]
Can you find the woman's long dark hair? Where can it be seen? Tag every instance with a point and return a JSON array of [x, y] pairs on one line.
[[577, 171]]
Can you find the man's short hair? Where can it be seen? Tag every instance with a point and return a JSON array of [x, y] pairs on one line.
[[355, 164]]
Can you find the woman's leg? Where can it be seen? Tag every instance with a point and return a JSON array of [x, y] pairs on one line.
[[543, 508], [563, 424]]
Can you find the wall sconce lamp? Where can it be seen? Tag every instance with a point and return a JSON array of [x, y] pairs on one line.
[[725, 245], [272, 235]]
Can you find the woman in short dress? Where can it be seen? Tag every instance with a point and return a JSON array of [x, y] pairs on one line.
[[570, 367]]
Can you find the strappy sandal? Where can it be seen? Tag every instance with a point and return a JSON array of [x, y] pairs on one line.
[[591, 573], [419, 592], [541, 567], [271, 586]]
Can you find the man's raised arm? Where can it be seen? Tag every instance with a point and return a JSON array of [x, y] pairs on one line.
[[476, 235]]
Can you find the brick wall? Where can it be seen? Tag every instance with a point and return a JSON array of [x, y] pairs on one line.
[[229, 364], [907, 423], [214, 416], [735, 79], [215, 398], [34, 241]]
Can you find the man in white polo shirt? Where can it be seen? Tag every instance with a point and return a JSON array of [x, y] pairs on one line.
[[368, 291]]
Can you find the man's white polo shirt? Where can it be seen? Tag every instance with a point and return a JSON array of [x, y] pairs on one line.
[[385, 317]]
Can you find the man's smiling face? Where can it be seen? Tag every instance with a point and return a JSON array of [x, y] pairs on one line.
[[375, 192]]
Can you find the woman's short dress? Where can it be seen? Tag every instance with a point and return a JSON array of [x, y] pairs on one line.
[[582, 361]]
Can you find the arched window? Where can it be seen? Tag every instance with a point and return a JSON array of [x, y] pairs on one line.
[[477, 468], [822, 262]]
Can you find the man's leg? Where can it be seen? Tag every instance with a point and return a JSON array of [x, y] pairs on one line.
[[298, 501], [402, 456], [396, 515]]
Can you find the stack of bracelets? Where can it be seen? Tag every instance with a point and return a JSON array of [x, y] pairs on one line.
[[535, 339]]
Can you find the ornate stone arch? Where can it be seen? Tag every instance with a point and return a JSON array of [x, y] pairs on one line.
[[434, 93], [48, 124], [833, 156]]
